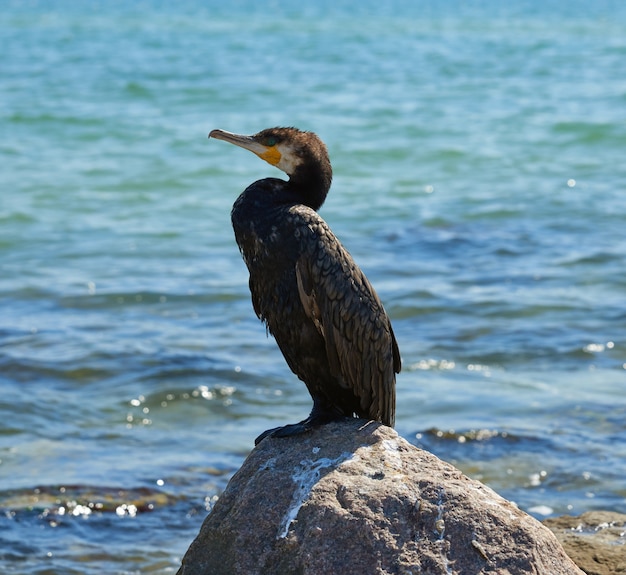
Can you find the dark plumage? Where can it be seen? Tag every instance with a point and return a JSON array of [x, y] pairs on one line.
[[316, 302]]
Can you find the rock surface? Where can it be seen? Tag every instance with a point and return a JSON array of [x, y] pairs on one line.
[[355, 498], [595, 540]]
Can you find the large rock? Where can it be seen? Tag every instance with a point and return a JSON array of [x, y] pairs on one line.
[[355, 498], [595, 540]]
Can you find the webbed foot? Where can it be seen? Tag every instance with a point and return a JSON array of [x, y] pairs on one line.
[[284, 431], [304, 426]]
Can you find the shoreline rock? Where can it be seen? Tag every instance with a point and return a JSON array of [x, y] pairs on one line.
[[355, 498], [596, 540]]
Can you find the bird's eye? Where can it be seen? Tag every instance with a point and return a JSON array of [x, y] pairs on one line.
[[271, 141]]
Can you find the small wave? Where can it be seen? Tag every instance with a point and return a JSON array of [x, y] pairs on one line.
[[46, 118], [83, 500], [465, 436], [479, 444]]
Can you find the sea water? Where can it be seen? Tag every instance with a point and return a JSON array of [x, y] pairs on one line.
[[479, 181]]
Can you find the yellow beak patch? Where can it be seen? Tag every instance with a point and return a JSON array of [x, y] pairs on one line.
[[271, 155]]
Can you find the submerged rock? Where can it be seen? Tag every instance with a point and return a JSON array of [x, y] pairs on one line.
[[355, 498], [595, 540]]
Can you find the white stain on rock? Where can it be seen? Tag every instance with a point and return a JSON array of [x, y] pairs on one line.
[[305, 478]]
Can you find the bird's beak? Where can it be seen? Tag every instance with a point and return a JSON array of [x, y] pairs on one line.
[[268, 153]]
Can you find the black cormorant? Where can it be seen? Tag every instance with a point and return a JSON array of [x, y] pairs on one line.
[[316, 302]]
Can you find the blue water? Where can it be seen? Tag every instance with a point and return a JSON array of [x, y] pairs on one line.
[[480, 182]]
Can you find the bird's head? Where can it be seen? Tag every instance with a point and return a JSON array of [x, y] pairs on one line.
[[286, 148], [301, 155]]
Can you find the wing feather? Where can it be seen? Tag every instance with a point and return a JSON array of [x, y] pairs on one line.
[[347, 312]]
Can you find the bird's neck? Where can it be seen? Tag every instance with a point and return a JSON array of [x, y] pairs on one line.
[[311, 184]]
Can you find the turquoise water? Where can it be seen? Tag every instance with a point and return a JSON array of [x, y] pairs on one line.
[[480, 182]]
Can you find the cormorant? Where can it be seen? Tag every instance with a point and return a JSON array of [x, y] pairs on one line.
[[325, 316]]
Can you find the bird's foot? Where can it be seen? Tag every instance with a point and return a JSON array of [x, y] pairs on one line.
[[299, 428], [284, 431]]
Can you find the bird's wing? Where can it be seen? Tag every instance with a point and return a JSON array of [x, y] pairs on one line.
[[360, 344]]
